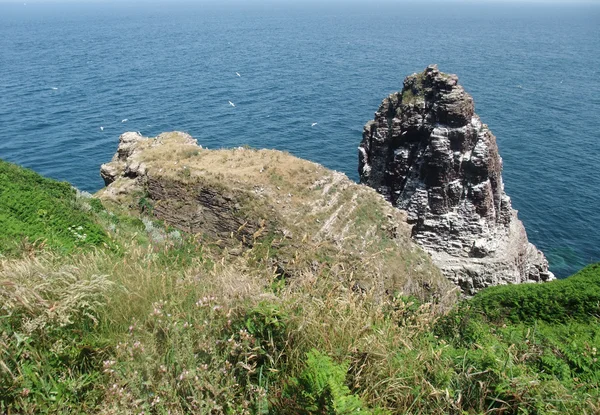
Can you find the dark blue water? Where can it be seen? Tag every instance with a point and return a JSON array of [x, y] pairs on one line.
[[67, 70]]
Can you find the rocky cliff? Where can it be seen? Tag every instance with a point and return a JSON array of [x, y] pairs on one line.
[[430, 155], [305, 217]]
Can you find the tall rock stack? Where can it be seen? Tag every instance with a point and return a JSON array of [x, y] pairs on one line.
[[428, 153]]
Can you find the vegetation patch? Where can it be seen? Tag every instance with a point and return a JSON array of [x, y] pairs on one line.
[[321, 389], [560, 301], [42, 212], [414, 91], [170, 323]]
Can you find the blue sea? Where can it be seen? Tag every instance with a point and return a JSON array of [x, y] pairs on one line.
[[74, 76]]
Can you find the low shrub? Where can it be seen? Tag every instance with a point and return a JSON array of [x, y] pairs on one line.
[[321, 389]]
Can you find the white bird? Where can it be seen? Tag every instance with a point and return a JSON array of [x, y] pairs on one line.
[[313, 124], [54, 88], [124, 120], [232, 104], [101, 128], [238, 74]]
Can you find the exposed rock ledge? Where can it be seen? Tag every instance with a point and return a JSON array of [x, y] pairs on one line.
[[312, 217], [429, 154]]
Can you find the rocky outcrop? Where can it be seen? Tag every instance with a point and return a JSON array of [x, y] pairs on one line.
[[169, 196], [429, 154], [272, 206]]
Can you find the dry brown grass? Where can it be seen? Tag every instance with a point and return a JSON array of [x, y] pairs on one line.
[[175, 339], [323, 216]]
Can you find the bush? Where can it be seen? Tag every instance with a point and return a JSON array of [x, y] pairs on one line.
[[321, 389]]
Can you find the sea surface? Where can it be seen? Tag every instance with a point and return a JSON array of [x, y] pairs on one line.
[[74, 76]]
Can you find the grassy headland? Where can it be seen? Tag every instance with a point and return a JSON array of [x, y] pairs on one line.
[[138, 317]]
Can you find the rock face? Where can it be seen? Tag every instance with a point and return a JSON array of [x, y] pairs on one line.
[[429, 154], [207, 209]]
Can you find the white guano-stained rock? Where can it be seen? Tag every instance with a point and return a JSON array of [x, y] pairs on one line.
[[428, 153]]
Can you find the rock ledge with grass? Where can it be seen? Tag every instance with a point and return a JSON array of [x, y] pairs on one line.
[[429, 154], [309, 216]]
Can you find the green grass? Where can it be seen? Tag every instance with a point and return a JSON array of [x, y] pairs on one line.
[[166, 323], [39, 211], [560, 301], [552, 329]]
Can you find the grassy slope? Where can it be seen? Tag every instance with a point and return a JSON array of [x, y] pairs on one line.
[[163, 324], [561, 301], [37, 210], [323, 215]]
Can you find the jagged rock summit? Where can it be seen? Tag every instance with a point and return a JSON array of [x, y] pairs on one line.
[[429, 154]]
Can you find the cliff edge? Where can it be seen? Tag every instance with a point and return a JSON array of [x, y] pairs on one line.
[[305, 216], [429, 154]]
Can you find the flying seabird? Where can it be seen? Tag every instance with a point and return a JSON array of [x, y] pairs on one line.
[[232, 104]]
